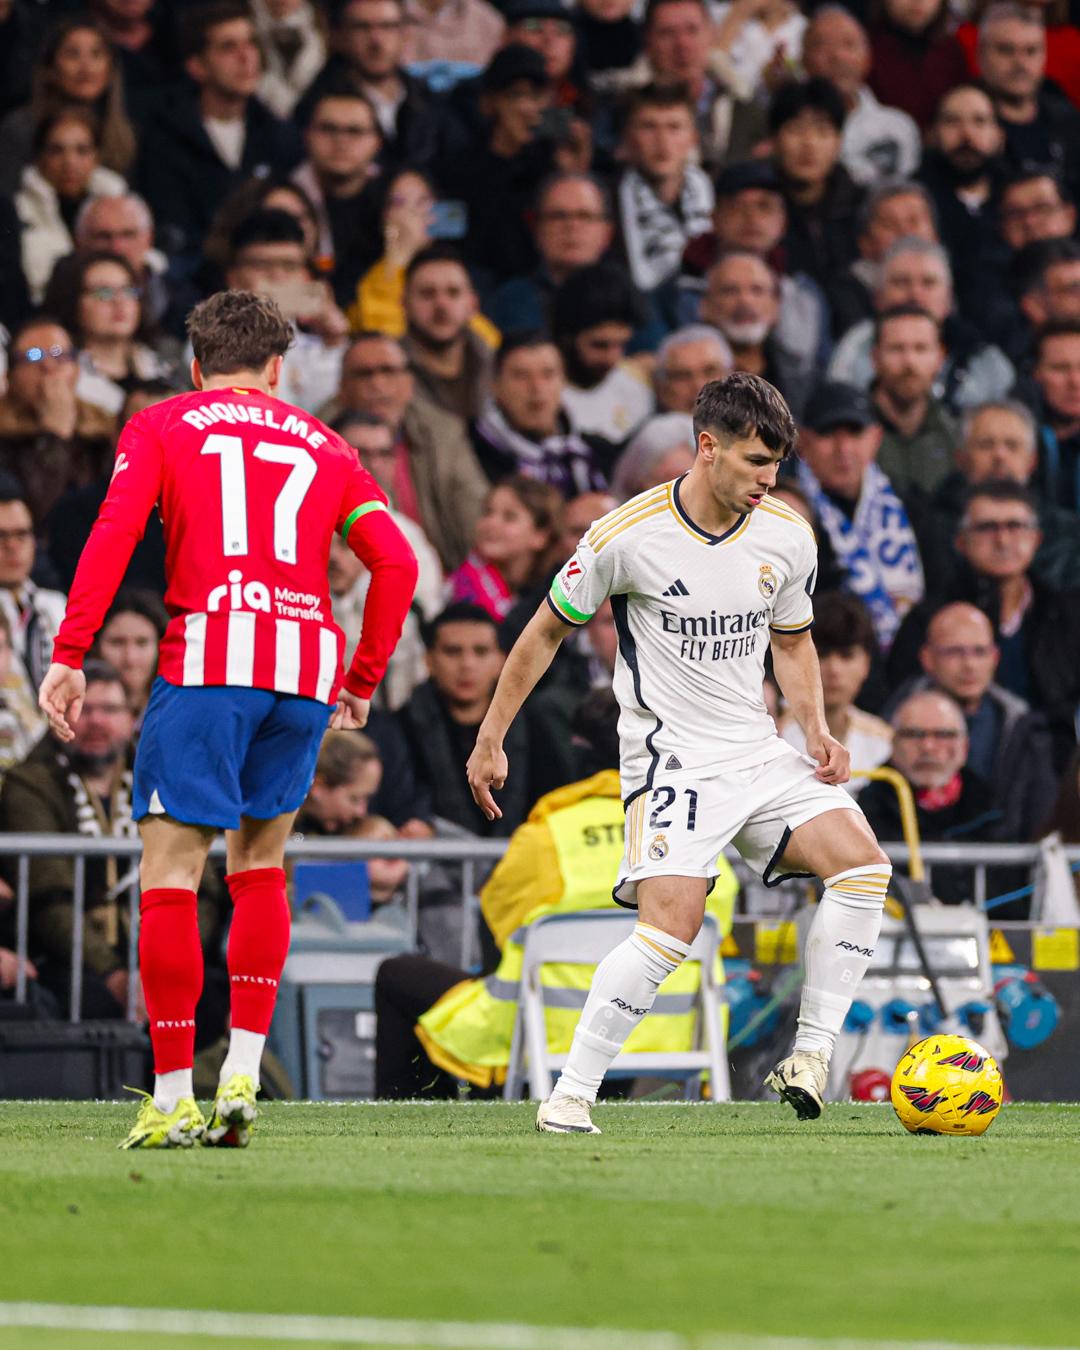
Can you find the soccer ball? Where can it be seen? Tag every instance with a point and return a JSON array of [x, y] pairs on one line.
[[947, 1085]]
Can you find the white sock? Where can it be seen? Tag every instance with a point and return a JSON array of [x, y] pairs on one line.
[[838, 950], [245, 1055], [622, 992], [170, 1088]]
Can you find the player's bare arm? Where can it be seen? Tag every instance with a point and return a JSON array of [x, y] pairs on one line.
[[530, 656], [61, 698], [795, 664]]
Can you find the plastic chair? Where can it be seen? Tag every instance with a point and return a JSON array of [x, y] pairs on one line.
[[585, 939], [346, 883]]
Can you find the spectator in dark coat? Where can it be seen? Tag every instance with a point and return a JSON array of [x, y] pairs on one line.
[[1009, 745], [201, 141], [915, 57], [1057, 378], [368, 39], [806, 122], [1037, 629], [952, 804]]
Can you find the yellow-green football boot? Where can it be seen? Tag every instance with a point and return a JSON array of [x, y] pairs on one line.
[[232, 1120], [179, 1128]]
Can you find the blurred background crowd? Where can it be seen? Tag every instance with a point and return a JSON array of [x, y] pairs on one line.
[[515, 241]]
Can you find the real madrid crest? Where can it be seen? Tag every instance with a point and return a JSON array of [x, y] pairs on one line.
[[766, 582], [658, 848]]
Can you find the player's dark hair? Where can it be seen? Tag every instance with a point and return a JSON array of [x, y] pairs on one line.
[[341, 754], [742, 406], [798, 96], [146, 604], [1057, 328], [842, 621], [198, 22], [98, 671], [903, 312], [1001, 490], [459, 612], [237, 330], [517, 342], [267, 225], [434, 253]]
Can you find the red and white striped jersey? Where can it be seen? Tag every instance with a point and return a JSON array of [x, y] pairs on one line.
[[250, 491]]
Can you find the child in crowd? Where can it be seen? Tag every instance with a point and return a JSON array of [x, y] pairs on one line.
[[511, 542], [386, 876]]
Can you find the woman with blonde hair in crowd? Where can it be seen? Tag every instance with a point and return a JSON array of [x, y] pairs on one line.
[[76, 68]]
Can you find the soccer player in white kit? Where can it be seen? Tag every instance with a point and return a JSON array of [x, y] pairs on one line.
[[703, 573]]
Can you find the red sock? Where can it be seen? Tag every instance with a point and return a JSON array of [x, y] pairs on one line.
[[258, 945], [171, 966]]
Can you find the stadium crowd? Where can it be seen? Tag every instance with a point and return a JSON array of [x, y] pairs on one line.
[[514, 243]]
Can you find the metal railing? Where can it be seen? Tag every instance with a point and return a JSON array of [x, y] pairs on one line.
[[469, 853]]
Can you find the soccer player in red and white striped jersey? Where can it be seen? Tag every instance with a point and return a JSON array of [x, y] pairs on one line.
[[250, 492]]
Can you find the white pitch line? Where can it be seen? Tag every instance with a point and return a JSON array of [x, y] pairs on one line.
[[420, 1335]]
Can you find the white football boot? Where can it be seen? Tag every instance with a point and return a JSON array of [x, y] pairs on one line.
[[565, 1115], [800, 1081]]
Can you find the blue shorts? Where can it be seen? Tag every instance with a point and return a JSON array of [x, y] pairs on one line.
[[209, 755]]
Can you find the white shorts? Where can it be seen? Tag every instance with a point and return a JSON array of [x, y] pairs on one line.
[[680, 825]]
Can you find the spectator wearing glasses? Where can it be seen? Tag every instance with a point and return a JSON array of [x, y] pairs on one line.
[[1036, 628], [368, 41], [1033, 207], [31, 614], [341, 178], [49, 438], [1009, 745], [268, 254], [125, 225], [97, 297], [572, 228], [435, 478], [952, 803], [66, 171], [1000, 440]]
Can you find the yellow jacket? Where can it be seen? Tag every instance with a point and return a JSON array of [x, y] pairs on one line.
[[565, 857]]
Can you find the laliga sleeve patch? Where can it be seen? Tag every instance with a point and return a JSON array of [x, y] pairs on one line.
[[571, 575]]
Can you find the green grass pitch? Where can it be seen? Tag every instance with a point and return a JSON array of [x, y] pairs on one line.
[[704, 1221]]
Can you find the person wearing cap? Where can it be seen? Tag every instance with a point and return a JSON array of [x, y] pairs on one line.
[[367, 39], [594, 316], [866, 520], [548, 28], [750, 216], [806, 122], [879, 142], [496, 176]]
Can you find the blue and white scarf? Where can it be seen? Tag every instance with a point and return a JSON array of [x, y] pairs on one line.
[[876, 549]]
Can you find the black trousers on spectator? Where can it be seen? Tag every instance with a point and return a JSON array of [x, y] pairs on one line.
[[405, 988]]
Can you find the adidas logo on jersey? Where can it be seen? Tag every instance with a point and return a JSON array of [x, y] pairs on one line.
[[673, 762], [676, 588]]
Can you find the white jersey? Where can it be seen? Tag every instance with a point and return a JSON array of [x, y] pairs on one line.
[[694, 612]]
